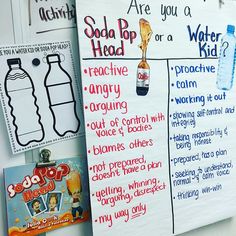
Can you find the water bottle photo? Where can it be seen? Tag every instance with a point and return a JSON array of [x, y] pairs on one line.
[[226, 63]]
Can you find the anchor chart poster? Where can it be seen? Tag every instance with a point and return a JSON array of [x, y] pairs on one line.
[[159, 95], [39, 94], [47, 198]]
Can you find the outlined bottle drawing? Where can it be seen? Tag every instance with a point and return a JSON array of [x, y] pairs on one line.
[[20, 91], [62, 104], [226, 64], [143, 71]]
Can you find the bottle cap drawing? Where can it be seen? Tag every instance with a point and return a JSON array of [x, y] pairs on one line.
[[13, 61], [230, 29], [53, 58]]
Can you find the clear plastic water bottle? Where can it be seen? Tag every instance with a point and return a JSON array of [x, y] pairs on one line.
[[61, 97], [20, 91], [225, 74]]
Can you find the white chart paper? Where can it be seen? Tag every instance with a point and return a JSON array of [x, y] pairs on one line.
[[159, 126]]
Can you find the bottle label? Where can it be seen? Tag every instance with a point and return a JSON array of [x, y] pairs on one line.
[[60, 94], [143, 77]]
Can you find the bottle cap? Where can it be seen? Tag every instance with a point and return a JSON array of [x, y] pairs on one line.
[[14, 61], [53, 58], [230, 29]]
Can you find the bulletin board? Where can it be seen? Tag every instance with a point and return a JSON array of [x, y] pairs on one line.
[[157, 107]]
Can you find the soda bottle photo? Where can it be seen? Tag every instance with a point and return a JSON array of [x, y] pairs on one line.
[[143, 77], [62, 104], [143, 71], [19, 89], [226, 63]]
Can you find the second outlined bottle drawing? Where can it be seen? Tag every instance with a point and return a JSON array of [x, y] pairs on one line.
[[20, 91], [62, 104]]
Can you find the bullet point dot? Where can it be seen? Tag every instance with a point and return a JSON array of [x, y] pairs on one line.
[[91, 168], [85, 88], [96, 220], [170, 138], [172, 85], [172, 68], [93, 194], [174, 198], [89, 151], [172, 99], [88, 125], [86, 107], [170, 115], [172, 175], [171, 160], [85, 71]]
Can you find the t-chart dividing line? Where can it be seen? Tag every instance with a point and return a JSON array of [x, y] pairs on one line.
[[168, 145], [168, 111]]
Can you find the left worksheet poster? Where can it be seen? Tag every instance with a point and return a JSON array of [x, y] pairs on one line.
[[39, 94]]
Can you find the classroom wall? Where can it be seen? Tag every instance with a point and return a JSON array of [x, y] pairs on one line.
[[66, 149]]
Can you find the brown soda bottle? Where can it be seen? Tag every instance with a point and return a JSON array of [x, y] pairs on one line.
[[143, 76]]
